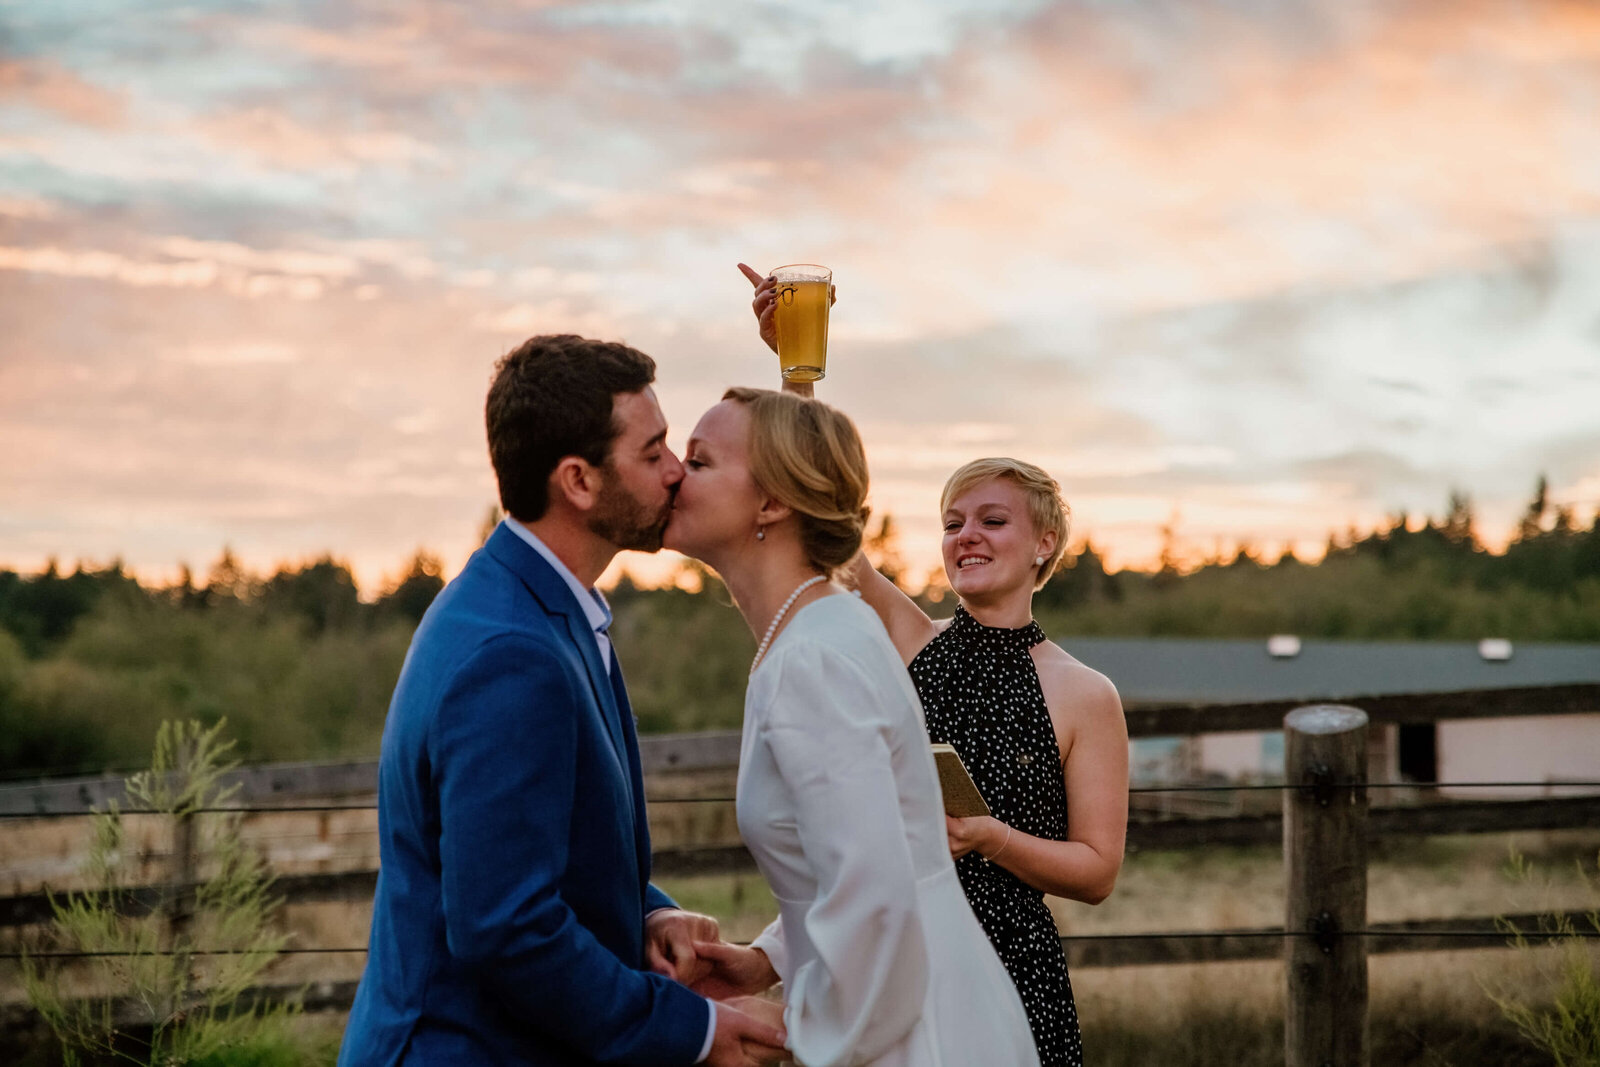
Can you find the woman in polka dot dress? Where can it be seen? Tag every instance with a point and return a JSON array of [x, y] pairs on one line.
[[1042, 735]]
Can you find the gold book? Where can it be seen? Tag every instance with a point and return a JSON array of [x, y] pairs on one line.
[[961, 796]]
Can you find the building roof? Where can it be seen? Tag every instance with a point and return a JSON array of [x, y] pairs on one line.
[[1184, 670]]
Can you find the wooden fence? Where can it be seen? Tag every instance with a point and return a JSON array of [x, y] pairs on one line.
[[291, 783], [1329, 814]]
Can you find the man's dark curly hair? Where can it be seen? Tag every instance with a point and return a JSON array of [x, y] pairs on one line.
[[551, 398]]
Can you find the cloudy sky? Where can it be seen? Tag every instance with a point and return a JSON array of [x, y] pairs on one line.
[[1257, 269]]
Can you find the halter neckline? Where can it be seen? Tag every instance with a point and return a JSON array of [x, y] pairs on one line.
[[1020, 638]]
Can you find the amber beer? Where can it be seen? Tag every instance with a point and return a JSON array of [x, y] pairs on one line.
[[801, 318]]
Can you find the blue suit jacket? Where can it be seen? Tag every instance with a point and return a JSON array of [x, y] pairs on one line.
[[508, 926]]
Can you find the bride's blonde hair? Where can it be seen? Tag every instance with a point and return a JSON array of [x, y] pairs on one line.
[[808, 457]]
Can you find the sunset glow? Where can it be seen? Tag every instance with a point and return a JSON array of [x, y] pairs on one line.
[[1254, 272]]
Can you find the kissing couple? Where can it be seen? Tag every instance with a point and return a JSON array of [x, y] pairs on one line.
[[514, 921]]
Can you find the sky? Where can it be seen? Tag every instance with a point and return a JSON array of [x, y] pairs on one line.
[[1250, 271]]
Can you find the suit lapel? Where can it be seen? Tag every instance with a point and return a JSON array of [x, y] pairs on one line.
[[641, 817], [556, 596], [599, 681], [619, 691]]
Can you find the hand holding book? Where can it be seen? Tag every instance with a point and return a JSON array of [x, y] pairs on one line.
[[961, 797]]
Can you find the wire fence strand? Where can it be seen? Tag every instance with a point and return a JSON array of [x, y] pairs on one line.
[[1510, 938], [283, 809]]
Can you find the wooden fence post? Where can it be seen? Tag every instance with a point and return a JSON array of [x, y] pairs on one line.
[[1325, 868]]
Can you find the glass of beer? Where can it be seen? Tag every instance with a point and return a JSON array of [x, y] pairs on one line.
[[801, 318]]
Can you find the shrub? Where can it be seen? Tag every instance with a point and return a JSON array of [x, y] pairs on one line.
[[167, 973], [1567, 1026]]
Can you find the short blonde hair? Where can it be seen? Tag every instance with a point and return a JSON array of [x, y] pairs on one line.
[[808, 456], [1045, 505]]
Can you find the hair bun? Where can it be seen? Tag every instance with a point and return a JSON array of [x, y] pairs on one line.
[[809, 457]]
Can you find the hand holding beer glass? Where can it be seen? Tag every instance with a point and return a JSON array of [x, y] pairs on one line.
[[792, 305]]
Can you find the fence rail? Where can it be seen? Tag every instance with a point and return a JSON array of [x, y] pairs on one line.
[[1142, 948], [719, 750], [1144, 834], [1083, 951]]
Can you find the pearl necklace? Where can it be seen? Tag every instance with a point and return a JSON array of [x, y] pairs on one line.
[[776, 619]]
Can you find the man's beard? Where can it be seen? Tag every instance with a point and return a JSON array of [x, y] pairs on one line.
[[621, 519]]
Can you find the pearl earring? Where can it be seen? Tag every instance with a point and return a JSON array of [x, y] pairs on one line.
[[1038, 561], [761, 535]]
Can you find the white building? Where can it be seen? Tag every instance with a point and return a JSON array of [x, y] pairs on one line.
[[1160, 671]]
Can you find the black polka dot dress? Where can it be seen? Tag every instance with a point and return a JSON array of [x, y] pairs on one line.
[[980, 693]]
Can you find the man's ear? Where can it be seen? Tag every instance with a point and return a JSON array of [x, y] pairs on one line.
[[577, 481]]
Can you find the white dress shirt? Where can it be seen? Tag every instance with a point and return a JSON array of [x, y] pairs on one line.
[[591, 600], [598, 614]]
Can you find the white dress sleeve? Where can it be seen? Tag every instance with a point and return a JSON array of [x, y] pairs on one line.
[[771, 942], [862, 990]]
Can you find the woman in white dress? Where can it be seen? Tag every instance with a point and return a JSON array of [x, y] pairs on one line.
[[881, 959]]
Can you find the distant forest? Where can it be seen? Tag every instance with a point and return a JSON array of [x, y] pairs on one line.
[[91, 661]]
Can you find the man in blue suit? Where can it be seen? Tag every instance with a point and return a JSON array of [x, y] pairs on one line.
[[514, 922]]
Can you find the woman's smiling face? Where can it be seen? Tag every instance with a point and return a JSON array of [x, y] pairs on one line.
[[989, 540]]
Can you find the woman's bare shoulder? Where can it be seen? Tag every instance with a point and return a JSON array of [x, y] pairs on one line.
[[1068, 682]]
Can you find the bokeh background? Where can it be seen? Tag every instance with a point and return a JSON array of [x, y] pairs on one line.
[[1237, 272]]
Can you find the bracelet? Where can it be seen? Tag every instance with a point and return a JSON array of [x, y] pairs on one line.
[[1002, 847]]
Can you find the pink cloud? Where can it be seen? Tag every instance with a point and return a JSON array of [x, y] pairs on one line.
[[52, 87], [276, 138], [304, 270], [424, 48], [109, 266], [27, 207], [1138, 164]]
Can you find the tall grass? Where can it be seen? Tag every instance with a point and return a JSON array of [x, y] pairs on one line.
[[1425, 1011], [1566, 1024]]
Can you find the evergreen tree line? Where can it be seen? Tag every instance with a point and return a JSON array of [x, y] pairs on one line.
[[40, 611], [1431, 579], [92, 661]]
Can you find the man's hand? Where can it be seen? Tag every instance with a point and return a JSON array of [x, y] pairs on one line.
[[749, 1033], [669, 938], [734, 970]]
